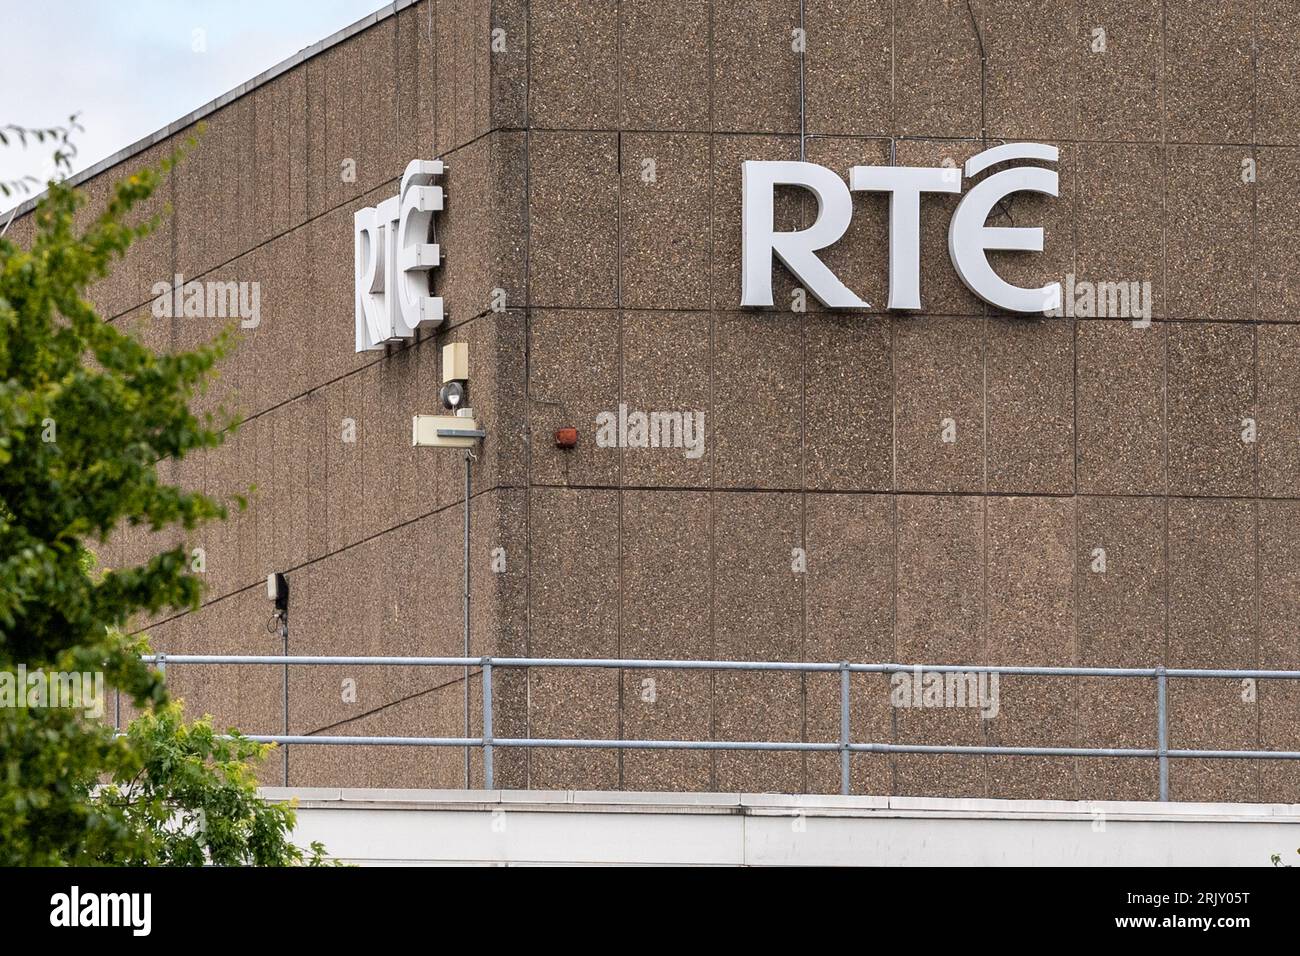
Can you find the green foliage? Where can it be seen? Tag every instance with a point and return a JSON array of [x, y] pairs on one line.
[[117, 409], [23, 135], [194, 798], [177, 794], [86, 414]]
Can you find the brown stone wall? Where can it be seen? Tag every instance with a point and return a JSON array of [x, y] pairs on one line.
[[823, 430]]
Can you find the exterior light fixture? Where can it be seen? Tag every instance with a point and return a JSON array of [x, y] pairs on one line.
[[277, 590], [459, 429]]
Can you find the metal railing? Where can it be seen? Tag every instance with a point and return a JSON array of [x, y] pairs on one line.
[[844, 746]]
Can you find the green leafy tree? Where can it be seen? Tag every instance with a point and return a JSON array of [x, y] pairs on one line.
[[86, 414], [193, 798], [61, 136]]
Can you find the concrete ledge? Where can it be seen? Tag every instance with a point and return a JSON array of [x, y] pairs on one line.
[[494, 827]]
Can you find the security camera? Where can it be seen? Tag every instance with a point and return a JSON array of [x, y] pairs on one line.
[[453, 395]]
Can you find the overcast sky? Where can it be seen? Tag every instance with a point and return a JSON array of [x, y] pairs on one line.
[[130, 67]]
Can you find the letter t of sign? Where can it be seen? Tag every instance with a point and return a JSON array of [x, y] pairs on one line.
[[905, 185]]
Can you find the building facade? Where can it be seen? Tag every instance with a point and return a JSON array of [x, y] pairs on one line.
[[955, 484]]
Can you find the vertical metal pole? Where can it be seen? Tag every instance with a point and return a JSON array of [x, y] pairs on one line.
[[162, 664], [466, 612], [844, 727], [487, 723], [284, 635], [1162, 730]]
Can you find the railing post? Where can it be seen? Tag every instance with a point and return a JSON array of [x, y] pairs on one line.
[[1162, 729], [161, 661], [844, 727], [468, 458], [487, 723]]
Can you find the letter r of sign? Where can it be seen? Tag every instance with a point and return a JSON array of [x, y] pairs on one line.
[[797, 249]]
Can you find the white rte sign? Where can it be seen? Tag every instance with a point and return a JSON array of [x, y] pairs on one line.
[[969, 239], [393, 257]]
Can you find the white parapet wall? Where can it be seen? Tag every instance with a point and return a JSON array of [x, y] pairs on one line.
[[515, 828]]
